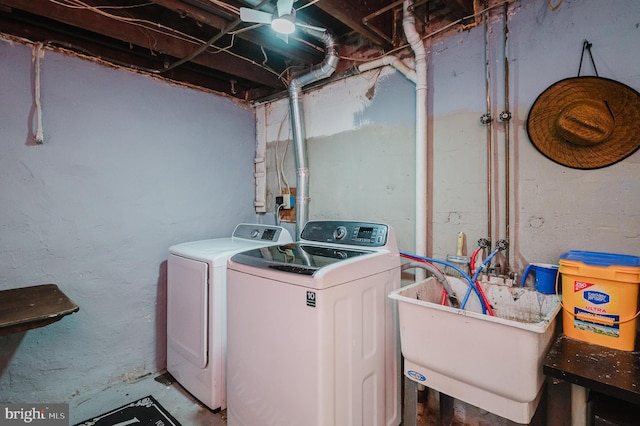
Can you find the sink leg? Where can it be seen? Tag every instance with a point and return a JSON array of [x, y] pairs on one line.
[[446, 410], [410, 409]]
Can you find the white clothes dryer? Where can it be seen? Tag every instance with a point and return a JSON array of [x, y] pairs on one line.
[[196, 308], [312, 336]]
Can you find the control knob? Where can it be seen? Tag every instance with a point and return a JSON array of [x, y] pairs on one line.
[[340, 233]]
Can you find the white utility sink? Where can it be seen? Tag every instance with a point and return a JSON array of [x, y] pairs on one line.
[[492, 362]]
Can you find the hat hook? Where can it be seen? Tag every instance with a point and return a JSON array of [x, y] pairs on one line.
[[587, 46]]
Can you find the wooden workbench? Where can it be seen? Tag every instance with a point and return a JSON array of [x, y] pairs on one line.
[[588, 366], [31, 307]]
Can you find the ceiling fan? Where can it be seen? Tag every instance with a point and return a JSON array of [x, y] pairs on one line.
[[282, 20]]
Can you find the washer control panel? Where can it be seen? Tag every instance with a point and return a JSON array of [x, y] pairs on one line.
[[353, 233]]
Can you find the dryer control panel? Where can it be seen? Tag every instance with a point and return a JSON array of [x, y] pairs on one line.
[[352, 233], [264, 233]]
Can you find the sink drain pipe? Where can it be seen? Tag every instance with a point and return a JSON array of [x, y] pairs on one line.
[[319, 72], [420, 54]]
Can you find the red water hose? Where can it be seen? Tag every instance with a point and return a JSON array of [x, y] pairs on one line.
[[482, 295]]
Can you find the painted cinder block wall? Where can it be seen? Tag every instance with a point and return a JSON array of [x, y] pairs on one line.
[[127, 159], [129, 166], [361, 154], [361, 149]]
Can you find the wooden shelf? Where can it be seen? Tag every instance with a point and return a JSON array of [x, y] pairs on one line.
[[609, 371], [26, 308]]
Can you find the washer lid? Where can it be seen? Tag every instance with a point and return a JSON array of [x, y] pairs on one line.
[[299, 258], [216, 250]]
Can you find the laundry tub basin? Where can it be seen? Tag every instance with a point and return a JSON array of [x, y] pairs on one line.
[[492, 362]]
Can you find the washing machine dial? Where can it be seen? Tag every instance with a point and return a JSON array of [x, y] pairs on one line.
[[255, 233], [340, 233]]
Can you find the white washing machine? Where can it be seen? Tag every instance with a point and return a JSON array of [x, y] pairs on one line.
[[196, 308], [312, 336]]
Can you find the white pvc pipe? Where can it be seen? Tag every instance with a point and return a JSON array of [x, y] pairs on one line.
[[419, 77], [260, 164], [408, 23], [391, 61]]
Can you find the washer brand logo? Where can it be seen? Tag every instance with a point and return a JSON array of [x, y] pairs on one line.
[[580, 285], [36, 414], [415, 375], [311, 299], [596, 297]]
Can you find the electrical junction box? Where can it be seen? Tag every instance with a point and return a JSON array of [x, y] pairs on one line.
[[288, 201]]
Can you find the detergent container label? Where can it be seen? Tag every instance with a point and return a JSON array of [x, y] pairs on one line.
[[596, 309]]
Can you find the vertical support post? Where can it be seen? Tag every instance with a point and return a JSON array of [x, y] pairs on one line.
[[446, 410], [410, 404], [579, 401]]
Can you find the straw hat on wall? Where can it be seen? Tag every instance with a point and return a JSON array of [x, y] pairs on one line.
[[586, 122]]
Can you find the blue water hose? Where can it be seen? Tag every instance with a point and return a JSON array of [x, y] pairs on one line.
[[475, 277], [472, 283]]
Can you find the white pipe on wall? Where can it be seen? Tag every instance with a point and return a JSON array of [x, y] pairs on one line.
[[419, 77], [391, 61], [260, 164], [409, 26]]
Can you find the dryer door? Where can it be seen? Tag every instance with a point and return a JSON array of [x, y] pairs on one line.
[[187, 318]]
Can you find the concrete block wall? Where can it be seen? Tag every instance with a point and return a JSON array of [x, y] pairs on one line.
[[129, 166]]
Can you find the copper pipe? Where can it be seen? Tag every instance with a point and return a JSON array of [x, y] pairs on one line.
[[488, 123], [381, 11], [377, 31], [506, 117]]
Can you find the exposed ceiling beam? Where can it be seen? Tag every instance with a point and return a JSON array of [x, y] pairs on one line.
[[351, 16], [148, 37], [292, 51], [161, 37], [197, 76], [460, 7]]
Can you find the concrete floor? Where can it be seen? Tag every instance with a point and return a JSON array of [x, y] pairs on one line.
[[190, 412], [184, 407]]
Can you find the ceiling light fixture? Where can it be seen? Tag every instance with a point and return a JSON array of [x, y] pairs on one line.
[[284, 24]]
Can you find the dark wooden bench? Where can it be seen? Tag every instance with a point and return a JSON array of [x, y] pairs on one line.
[[31, 307], [612, 375]]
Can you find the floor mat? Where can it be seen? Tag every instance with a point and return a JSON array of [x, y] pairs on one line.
[[145, 411]]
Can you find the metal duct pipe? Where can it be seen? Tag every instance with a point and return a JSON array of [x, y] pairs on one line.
[[323, 70]]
